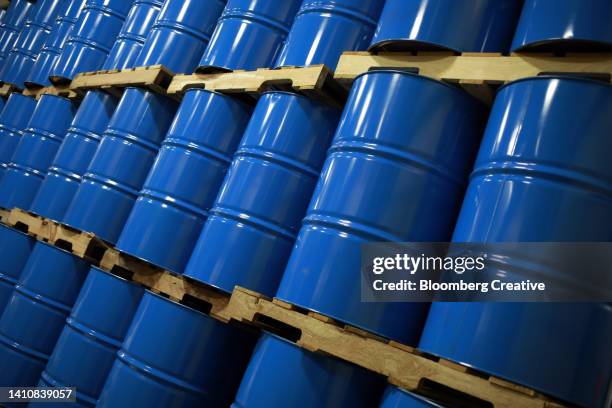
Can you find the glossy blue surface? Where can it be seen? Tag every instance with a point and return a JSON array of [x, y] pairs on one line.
[[249, 34], [483, 26], [194, 360], [13, 120], [94, 331], [185, 178], [396, 171], [543, 174], [15, 248], [92, 38], [11, 26], [133, 34], [180, 34], [35, 151], [395, 397], [281, 374], [74, 155], [54, 44], [324, 29], [121, 163], [34, 316], [568, 24], [35, 31], [264, 197]]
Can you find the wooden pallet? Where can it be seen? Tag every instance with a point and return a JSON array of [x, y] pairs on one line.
[[156, 78], [6, 89], [82, 244], [314, 81], [402, 365], [173, 286], [62, 90], [4, 4], [479, 73]]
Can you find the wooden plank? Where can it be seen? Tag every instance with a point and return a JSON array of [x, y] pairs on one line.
[[156, 78], [35, 225], [62, 90], [402, 367], [492, 68]]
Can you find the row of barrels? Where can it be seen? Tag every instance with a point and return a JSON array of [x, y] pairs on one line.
[[278, 197]]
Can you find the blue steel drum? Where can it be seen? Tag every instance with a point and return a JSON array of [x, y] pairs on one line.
[[392, 174], [281, 374], [74, 155], [2, 103], [35, 315], [121, 163], [133, 34], [543, 174], [324, 29], [92, 38], [249, 34], [480, 26], [264, 197], [35, 151], [180, 34], [174, 356], [11, 26], [549, 25], [13, 120], [15, 248], [98, 323], [395, 397], [185, 178], [54, 44], [22, 57]]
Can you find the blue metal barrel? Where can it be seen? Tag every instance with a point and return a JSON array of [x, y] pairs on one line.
[[180, 34], [22, 57], [392, 174], [54, 44], [74, 155], [133, 34], [13, 120], [543, 174], [194, 360], [185, 178], [15, 248], [92, 38], [324, 29], [249, 34], [86, 349], [482, 26], [11, 26], [121, 163], [395, 397], [35, 315], [264, 197], [547, 25], [280, 374], [35, 151]]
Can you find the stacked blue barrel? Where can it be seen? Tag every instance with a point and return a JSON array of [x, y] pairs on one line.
[[278, 195]]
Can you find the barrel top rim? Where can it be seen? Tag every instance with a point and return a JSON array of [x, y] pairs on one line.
[[414, 75]]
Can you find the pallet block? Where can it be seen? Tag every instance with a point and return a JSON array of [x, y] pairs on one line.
[[6, 89]]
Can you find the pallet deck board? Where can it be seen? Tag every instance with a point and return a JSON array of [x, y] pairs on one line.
[[482, 67], [62, 90]]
